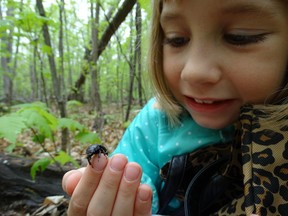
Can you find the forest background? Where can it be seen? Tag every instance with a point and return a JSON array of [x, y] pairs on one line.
[[73, 72]]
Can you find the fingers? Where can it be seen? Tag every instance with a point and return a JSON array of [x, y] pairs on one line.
[[109, 187], [86, 186], [125, 201], [106, 193], [71, 179], [143, 202]]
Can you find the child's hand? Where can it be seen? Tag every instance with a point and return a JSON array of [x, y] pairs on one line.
[[108, 187]]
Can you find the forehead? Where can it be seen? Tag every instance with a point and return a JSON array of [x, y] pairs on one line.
[[260, 8]]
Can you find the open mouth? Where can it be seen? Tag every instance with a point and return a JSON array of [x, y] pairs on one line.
[[204, 101], [208, 105]]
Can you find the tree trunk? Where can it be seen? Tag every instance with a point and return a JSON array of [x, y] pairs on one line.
[[61, 100], [19, 192], [65, 133], [138, 53], [6, 48], [95, 95], [42, 81], [105, 38], [131, 73], [33, 74], [15, 64], [51, 58], [61, 48], [70, 80]]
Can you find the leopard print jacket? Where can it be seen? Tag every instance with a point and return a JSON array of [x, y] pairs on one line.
[[264, 145], [256, 169]]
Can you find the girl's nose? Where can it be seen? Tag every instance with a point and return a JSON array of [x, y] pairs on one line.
[[201, 66]]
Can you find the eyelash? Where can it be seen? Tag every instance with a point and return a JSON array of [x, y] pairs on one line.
[[176, 41], [233, 39], [242, 40]]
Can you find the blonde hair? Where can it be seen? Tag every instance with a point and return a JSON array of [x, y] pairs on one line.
[[164, 95]]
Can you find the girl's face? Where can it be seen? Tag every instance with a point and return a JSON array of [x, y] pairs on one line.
[[219, 55]]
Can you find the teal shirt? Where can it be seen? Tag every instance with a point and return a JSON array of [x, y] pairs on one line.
[[151, 142]]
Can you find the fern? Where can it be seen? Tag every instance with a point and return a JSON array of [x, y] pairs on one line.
[[39, 121], [11, 126], [43, 125]]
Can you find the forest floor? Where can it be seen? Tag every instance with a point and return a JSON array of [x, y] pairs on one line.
[[110, 134]]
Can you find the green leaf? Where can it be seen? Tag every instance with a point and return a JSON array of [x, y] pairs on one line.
[[47, 49], [40, 120], [10, 147], [146, 5], [87, 137], [31, 105], [38, 138], [126, 124], [39, 165], [70, 124], [11, 126], [64, 158], [74, 103]]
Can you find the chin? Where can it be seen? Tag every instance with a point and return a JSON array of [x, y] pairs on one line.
[[213, 123]]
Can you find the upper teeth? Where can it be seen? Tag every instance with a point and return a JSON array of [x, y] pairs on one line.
[[203, 101]]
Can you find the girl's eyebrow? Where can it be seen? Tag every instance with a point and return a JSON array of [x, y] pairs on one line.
[[249, 8], [166, 17]]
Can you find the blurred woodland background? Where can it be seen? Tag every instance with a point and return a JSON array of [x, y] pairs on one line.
[[73, 73]]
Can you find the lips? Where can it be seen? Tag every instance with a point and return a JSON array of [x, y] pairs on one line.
[[208, 105]]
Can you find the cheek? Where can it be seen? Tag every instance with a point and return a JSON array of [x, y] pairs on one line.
[[259, 82], [172, 70], [259, 73], [171, 74]]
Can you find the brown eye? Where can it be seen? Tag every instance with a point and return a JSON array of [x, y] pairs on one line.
[[176, 41]]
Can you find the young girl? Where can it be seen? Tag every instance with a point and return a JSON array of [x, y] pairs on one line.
[[208, 58]]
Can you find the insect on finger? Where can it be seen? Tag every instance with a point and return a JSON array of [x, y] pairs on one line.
[[95, 150]]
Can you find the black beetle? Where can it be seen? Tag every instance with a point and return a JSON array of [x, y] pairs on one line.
[[95, 149]]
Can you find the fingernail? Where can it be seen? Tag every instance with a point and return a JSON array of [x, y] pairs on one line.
[[132, 172], [118, 163], [99, 162], [144, 195]]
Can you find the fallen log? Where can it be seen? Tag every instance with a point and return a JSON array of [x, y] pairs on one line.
[[19, 193]]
